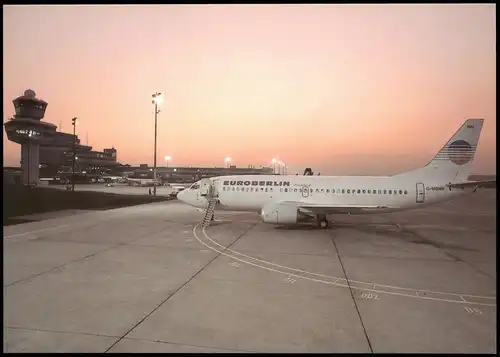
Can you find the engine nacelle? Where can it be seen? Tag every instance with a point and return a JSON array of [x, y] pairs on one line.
[[279, 213]]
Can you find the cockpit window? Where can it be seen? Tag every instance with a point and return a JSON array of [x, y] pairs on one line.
[[195, 186]]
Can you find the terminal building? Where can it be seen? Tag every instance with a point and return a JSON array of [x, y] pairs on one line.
[[56, 156]]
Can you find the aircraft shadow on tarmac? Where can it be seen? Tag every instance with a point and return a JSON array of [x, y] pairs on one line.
[[220, 223], [385, 229], [370, 228], [299, 227], [388, 230]]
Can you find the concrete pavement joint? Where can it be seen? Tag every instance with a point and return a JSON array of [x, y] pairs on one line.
[[176, 291], [352, 296], [188, 344], [404, 229], [59, 331], [413, 293], [371, 284], [126, 338], [73, 261], [57, 267]]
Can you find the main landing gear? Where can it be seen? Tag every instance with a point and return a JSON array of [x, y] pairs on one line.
[[322, 221]]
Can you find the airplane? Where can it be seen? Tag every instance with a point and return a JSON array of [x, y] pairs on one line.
[[109, 178], [143, 182], [287, 200], [176, 188]]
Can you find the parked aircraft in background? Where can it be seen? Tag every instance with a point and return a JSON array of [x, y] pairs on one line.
[[143, 182], [109, 178]]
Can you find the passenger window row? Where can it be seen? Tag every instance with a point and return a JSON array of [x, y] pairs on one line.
[[353, 191], [318, 190], [248, 189]]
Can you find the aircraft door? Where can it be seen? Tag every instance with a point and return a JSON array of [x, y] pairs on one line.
[[215, 188], [205, 187], [420, 192], [305, 191]]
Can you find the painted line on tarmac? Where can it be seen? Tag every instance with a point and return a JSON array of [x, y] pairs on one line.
[[336, 282], [351, 281], [107, 216], [39, 230]]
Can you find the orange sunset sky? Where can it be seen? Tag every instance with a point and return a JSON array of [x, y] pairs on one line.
[[344, 89]]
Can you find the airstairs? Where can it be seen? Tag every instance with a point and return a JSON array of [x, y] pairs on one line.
[[209, 212], [209, 190]]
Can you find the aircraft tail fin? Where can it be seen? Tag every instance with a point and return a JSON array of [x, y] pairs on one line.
[[453, 163], [454, 160]]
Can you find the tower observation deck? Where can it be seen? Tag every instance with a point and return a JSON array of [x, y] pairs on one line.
[[27, 129]]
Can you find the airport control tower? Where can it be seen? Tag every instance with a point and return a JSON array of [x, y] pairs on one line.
[[27, 129]]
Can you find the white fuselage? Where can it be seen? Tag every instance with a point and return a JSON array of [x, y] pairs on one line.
[[280, 199], [388, 194]]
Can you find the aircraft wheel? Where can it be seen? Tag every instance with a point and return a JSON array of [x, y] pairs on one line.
[[322, 221]]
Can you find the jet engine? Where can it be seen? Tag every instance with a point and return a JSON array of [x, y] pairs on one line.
[[279, 213]]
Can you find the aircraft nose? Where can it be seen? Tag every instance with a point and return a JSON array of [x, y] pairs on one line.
[[181, 196]]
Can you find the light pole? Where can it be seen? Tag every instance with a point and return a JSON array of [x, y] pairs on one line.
[[156, 100], [167, 159], [274, 166], [73, 122], [227, 160], [29, 163]]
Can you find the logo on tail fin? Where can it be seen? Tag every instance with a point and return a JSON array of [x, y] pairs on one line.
[[460, 152]]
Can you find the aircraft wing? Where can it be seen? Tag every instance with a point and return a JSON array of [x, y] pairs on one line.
[[308, 208], [474, 184]]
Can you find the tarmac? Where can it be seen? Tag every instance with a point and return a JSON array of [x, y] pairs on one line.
[[148, 278]]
